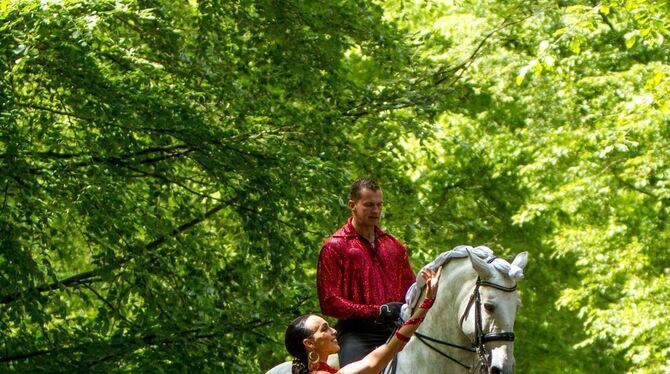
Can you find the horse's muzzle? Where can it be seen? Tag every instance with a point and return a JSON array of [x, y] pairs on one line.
[[499, 370]]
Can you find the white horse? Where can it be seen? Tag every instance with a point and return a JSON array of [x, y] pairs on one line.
[[470, 327]]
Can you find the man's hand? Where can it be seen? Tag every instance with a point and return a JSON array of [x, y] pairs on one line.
[[389, 312]]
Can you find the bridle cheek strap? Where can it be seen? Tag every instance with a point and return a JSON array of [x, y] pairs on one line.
[[480, 337]]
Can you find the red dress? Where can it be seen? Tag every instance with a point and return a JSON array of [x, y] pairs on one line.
[[354, 278], [322, 366]]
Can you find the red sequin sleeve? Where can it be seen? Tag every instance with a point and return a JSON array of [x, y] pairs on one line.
[[329, 284]]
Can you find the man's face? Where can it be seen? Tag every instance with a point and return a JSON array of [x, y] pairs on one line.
[[367, 210]]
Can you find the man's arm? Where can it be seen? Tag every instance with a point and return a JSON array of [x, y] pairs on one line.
[[329, 278]]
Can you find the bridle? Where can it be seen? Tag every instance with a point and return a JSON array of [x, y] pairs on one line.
[[478, 345]]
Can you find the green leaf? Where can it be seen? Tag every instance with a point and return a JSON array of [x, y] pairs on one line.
[[630, 39]]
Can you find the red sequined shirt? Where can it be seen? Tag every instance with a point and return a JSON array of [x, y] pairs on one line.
[[354, 279]]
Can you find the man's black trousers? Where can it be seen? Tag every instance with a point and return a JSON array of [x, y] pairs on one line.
[[357, 338]]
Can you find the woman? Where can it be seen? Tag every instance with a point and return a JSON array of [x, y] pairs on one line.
[[310, 340]]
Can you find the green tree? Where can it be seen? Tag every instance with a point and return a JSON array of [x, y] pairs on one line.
[[169, 169], [564, 117]]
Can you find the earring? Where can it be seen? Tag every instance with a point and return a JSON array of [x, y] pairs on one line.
[[311, 356]]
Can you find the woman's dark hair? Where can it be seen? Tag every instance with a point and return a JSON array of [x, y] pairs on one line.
[[296, 332]]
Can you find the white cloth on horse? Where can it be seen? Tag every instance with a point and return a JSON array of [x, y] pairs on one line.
[[460, 251]]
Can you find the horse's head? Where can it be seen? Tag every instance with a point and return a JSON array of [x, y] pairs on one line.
[[488, 316]]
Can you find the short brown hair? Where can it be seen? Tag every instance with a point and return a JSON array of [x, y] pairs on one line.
[[357, 186]]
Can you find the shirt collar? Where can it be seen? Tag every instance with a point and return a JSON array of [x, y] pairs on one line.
[[350, 231]]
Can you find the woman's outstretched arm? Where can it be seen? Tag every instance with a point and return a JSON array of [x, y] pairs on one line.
[[376, 360]]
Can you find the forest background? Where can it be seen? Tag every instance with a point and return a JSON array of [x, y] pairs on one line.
[[169, 170]]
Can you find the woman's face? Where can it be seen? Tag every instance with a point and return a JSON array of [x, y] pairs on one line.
[[324, 339]]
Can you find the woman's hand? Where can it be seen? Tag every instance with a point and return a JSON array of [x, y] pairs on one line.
[[432, 279]]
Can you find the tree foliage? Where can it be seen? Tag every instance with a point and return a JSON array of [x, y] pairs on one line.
[[574, 116], [169, 169], [162, 168]]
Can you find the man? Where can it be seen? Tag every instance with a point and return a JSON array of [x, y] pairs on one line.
[[362, 276]]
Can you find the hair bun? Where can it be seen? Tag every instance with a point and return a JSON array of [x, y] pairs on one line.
[[298, 367]]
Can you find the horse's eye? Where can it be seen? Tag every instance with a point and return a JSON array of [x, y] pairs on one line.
[[489, 307]]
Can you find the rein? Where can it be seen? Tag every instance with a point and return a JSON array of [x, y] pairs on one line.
[[480, 338]]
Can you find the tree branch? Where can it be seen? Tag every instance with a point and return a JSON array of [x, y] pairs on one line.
[[4, 199], [113, 309], [167, 180], [138, 342], [643, 191], [438, 78], [603, 16], [171, 150], [607, 21], [54, 111], [92, 275]]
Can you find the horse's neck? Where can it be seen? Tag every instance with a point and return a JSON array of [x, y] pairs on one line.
[[442, 322], [455, 290]]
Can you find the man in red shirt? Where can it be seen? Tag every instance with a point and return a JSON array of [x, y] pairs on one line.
[[362, 276]]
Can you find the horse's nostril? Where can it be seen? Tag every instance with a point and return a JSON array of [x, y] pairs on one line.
[[496, 370]]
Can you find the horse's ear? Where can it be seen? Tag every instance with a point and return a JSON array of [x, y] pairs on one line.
[[521, 260], [484, 270]]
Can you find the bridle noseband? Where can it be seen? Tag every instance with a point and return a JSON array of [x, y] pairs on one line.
[[478, 345]]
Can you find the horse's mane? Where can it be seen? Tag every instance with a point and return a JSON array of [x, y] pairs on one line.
[[512, 271]]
